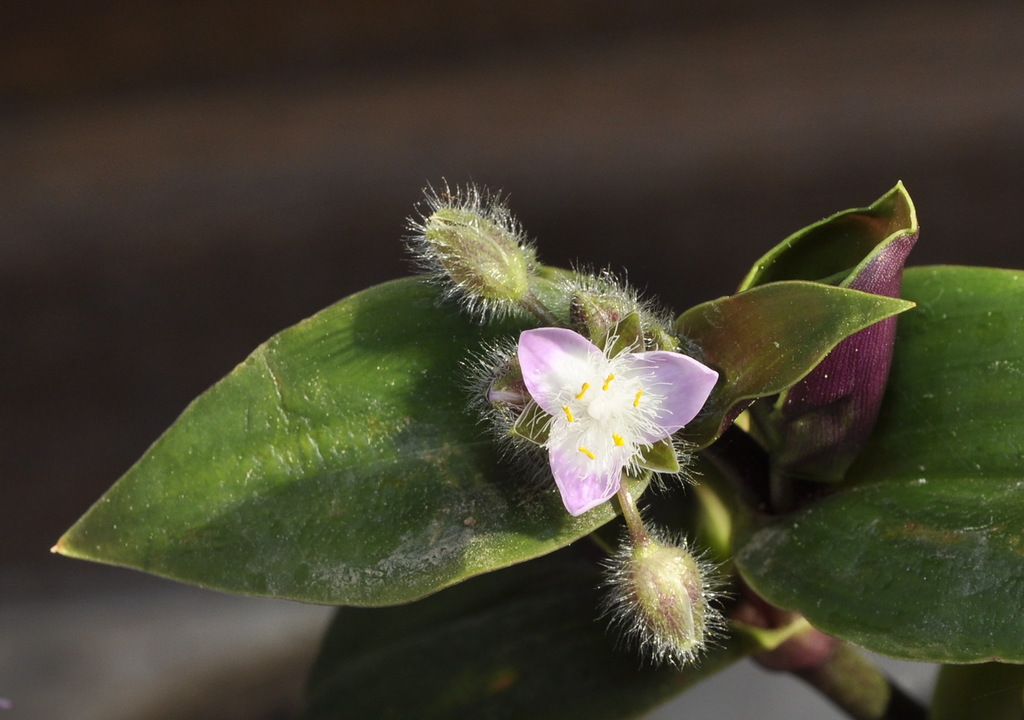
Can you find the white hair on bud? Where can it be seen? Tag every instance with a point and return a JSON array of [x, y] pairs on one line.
[[467, 283], [661, 597]]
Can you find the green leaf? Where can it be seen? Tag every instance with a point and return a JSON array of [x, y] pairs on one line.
[[954, 409], [817, 428], [836, 249], [920, 554], [764, 340], [992, 691], [337, 464], [521, 642]]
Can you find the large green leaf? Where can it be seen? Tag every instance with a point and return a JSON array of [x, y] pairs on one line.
[[525, 642], [337, 464], [921, 553], [764, 340]]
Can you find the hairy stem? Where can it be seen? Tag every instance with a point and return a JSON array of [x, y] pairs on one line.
[[532, 304]]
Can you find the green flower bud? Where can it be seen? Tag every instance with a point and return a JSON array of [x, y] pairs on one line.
[[471, 245], [660, 596], [613, 317]]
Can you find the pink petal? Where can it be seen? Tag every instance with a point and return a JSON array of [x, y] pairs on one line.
[[582, 490], [684, 383], [553, 360]]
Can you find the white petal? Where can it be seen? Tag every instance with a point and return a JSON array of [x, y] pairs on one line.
[[555, 361], [680, 384], [583, 483]]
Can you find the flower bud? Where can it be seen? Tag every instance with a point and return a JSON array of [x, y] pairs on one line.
[[611, 315], [470, 243], [660, 597]]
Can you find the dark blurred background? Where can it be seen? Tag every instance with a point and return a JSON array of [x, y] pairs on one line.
[[178, 181]]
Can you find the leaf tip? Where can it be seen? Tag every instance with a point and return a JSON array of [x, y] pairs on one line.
[[64, 546]]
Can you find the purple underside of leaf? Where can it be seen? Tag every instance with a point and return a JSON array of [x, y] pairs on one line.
[[830, 414]]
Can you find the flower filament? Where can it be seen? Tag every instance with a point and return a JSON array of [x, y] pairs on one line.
[[610, 425]]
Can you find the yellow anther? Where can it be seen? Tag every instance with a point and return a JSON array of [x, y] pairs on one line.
[[618, 439], [568, 413], [608, 381], [636, 400], [586, 452], [583, 390]]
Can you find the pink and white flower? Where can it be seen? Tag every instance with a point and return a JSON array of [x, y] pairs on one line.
[[605, 410]]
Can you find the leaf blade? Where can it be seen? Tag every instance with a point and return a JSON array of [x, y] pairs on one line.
[[918, 554], [337, 464], [764, 340], [522, 642]]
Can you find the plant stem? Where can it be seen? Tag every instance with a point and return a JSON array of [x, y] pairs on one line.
[[532, 304], [631, 514], [860, 688]]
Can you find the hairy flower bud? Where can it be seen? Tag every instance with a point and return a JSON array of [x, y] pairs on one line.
[[470, 244], [661, 597], [604, 309]]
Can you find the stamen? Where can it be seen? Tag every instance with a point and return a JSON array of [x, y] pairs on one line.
[[586, 452], [618, 439], [568, 413], [608, 381], [583, 390], [636, 400]]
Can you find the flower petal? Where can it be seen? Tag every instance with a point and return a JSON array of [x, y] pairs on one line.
[[683, 383], [583, 488], [554, 360]]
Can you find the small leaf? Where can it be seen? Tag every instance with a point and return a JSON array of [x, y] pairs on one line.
[[843, 247], [919, 554], [521, 642], [764, 340], [660, 456], [337, 464]]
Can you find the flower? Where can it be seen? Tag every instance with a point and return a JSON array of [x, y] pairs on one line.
[[605, 410]]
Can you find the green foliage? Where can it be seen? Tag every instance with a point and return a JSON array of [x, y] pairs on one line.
[[816, 429], [764, 340], [839, 248], [340, 464], [337, 464], [918, 555], [521, 642]]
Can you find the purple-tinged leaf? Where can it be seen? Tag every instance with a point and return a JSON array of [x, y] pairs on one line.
[[765, 340], [822, 423]]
